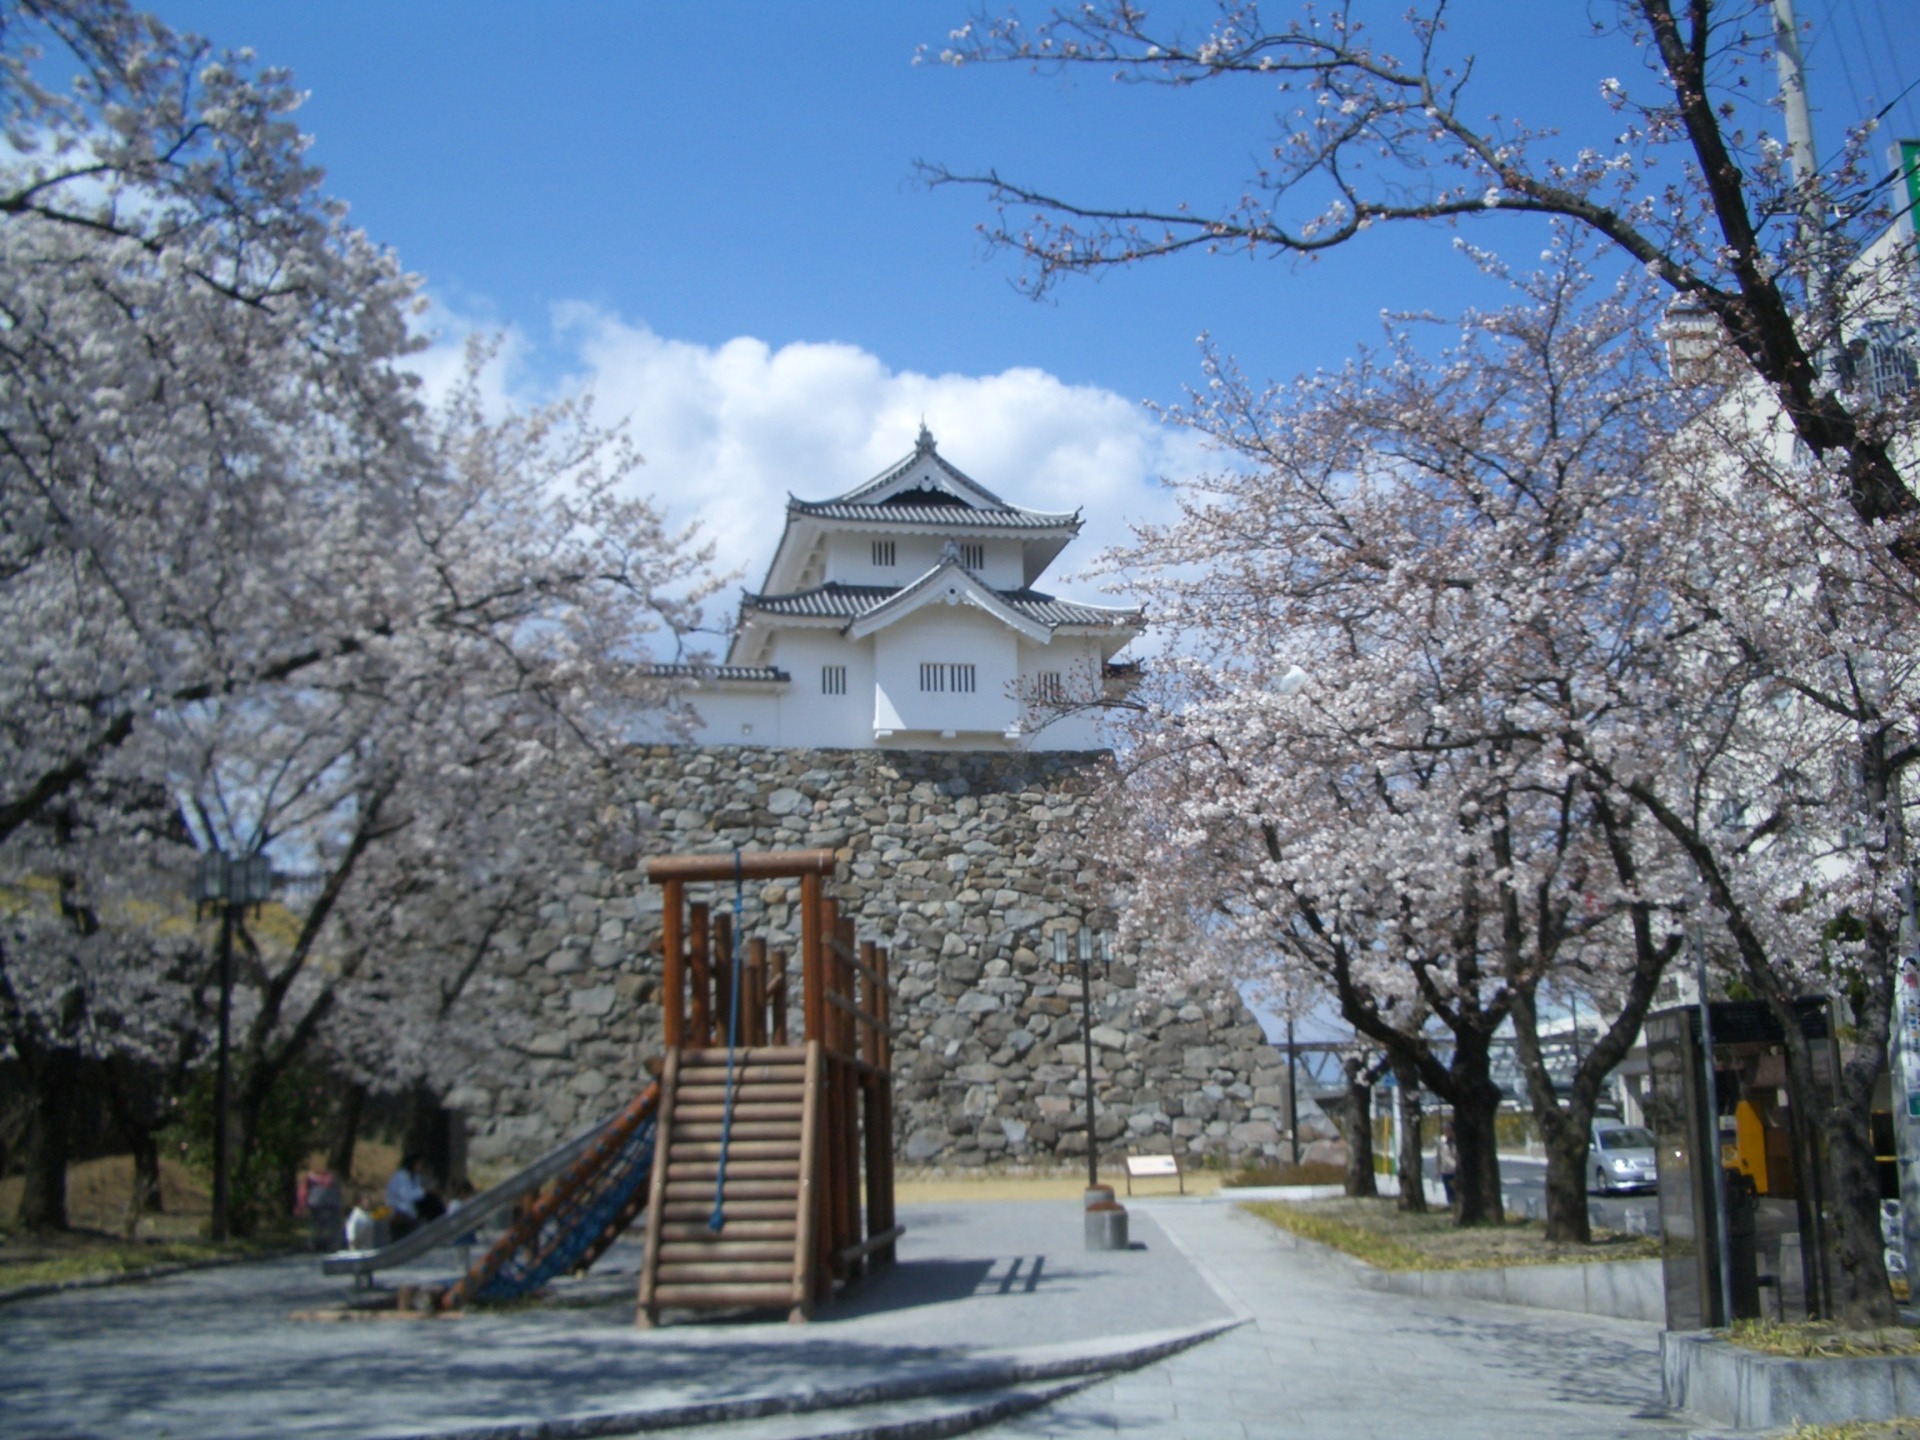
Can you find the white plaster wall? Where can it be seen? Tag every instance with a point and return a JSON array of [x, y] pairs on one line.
[[1078, 661], [738, 717], [948, 634], [811, 719], [850, 560]]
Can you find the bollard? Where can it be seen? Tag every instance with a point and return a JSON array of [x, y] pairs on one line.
[[1106, 1227]]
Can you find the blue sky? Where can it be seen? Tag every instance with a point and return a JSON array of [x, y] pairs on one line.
[[707, 213]]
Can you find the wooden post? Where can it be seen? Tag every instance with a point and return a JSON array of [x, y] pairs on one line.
[[777, 985], [869, 1010], [753, 1003], [700, 1013], [810, 1278], [673, 967], [849, 1126], [813, 945], [880, 1216], [834, 1199], [722, 973]]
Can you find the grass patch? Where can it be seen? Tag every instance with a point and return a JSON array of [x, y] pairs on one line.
[[1857, 1430], [1307, 1172], [1814, 1339], [87, 1256], [1379, 1233]]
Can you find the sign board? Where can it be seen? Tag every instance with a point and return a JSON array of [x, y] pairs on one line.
[[1910, 175]]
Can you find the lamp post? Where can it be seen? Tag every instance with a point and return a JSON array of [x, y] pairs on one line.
[[232, 882], [1086, 1027]]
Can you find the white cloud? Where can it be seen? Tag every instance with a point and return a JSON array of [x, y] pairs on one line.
[[730, 431]]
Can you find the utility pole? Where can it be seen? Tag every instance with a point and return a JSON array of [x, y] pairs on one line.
[[1805, 167], [1293, 1089]]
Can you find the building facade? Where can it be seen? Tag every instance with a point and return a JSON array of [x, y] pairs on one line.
[[903, 614]]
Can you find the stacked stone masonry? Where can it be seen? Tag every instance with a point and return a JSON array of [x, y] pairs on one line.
[[953, 863]]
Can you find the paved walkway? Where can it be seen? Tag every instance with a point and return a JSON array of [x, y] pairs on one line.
[[219, 1353], [1322, 1359]]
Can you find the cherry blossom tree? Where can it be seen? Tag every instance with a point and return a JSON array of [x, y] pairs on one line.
[[1422, 583], [1794, 697], [1381, 127], [243, 574], [430, 783]]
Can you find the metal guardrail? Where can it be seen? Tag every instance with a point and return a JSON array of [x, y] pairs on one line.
[[476, 1211]]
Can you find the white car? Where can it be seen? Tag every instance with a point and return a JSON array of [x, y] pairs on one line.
[[1621, 1158]]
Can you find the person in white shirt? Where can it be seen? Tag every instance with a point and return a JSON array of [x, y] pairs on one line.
[[409, 1198]]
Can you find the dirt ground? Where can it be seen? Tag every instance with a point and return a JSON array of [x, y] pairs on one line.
[[102, 1239], [943, 1187]]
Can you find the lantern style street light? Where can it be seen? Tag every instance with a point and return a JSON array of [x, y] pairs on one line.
[[1086, 947], [232, 882]]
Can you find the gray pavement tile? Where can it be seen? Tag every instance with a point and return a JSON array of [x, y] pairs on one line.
[[215, 1354]]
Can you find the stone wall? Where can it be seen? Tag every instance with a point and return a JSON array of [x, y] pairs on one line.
[[945, 859]]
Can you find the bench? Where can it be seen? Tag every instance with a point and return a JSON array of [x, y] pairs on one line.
[[1146, 1166]]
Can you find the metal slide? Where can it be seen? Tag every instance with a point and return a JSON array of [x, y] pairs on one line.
[[596, 1178]]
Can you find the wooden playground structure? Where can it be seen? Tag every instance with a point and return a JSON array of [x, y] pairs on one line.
[[764, 1138]]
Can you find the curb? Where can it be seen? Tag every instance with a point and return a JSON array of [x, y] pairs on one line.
[[1076, 1369], [1727, 1384]]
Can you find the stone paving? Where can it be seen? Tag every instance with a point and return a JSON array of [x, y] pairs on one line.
[[1323, 1359], [217, 1353]]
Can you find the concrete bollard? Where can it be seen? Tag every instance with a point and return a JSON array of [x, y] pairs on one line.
[[1107, 1228]]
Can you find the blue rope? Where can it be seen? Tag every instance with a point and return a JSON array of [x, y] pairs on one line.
[[717, 1221]]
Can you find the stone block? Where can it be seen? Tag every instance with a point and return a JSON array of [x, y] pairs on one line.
[[593, 1000]]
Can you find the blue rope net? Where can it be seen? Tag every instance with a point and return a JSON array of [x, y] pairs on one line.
[[574, 1228]]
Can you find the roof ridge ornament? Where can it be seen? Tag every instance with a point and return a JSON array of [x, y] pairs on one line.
[[950, 553], [923, 445]]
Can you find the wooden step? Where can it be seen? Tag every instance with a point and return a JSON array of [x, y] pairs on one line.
[[743, 1296], [770, 1231], [707, 1171], [745, 1062], [724, 1272], [744, 1129], [745, 1071], [739, 1147], [782, 1116], [757, 1251], [693, 1192], [697, 1210], [766, 1102], [745, 1055]]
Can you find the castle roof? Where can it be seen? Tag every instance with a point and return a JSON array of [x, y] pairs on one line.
[[923, 493], [835, 601]]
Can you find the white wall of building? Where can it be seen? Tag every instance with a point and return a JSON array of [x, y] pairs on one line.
[[811, 718], [850, 560], [944, 635]]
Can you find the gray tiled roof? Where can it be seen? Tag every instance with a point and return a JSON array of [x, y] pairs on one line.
[[677, 671], [845, 602], [958, 517]]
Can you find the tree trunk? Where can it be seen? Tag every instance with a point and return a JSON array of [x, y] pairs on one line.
[[1359, 1127], [346, 1133], [1476, 1183], [1413, 1180], [429, 1134], [1567, 1150], [53, 1082], [138, 1113], [1862, 1299]]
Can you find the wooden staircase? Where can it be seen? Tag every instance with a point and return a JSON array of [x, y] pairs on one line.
[[765, 1254]]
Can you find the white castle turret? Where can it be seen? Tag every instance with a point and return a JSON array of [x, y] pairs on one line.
[[903, 613]]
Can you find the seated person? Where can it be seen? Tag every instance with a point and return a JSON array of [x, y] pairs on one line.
[[410, 1200]]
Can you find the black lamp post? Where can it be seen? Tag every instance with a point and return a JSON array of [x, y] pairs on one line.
[[1086, 1028], [232, 882]]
